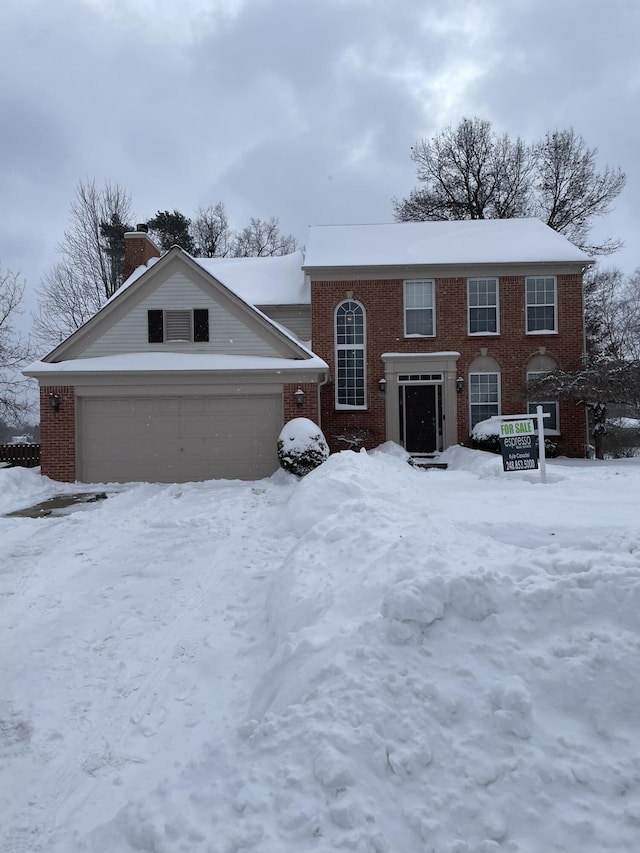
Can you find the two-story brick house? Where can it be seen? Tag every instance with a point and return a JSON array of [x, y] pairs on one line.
[[409, 332], [431, 327]]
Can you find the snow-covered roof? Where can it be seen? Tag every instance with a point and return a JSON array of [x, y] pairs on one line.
[[172, 362], [479, 241], [276, 280]]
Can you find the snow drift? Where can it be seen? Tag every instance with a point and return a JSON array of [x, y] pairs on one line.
[[373, 658]]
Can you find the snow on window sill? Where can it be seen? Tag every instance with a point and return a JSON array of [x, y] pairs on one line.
[[417, 335]]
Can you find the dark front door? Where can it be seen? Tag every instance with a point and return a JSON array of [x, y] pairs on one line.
[[420, 418]]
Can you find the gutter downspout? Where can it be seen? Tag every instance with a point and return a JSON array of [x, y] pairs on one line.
[[320, 385]]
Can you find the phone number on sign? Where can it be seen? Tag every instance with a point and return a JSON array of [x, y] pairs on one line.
[[519, 464]]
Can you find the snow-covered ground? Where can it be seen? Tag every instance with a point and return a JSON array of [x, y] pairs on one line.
[[373, 658]]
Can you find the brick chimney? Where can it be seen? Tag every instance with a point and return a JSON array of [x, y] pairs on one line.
[[139, 248]]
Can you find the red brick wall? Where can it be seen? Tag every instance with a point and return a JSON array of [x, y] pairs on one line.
[[309, 407], [139, 248], [512, 348], [58, 434]]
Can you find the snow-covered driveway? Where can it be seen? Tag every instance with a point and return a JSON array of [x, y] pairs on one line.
[[139, 611]]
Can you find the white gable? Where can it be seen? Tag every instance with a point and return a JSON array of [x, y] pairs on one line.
[[229, 332], [479, 241]]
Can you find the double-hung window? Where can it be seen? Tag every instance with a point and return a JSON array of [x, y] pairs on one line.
[[419, 309], [541, 304], [484, 396], [551, 424], [482, 297], [350, 356]]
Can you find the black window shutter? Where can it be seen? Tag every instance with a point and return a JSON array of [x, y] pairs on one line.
[[156, 327], [200, 324]]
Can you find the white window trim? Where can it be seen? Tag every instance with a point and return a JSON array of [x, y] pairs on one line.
[[555, 307], [430, 281], [536, 373], [485, 373], [363, 346], [497, 306]]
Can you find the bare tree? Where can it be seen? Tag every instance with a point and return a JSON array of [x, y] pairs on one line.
[[14, 350], [92, 265], [66, 301], [612, 313], [262, 238], [570, 191], [469, 172], [211, 232], [209, 235], [84, 244]]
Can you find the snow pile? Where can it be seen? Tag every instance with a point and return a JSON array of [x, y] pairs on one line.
[[373, 658], [22, 487]]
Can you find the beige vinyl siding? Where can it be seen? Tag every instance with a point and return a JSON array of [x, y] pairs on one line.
[[228, 332], [295, 318]]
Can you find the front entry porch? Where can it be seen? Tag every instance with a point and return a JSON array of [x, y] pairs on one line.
[[421, 401]]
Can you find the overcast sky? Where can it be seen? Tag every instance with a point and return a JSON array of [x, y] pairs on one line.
[[302, 109]]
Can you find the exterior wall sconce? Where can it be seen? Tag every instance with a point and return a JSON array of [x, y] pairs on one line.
[[299, 395], [54, 402], [459, 384], [382, 385]]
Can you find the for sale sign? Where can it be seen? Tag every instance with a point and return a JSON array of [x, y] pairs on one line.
[[519, 446]]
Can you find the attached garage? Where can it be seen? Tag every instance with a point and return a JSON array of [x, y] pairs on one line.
[[178, 378], [177, 439]]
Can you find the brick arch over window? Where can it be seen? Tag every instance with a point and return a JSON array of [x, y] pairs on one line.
[[484, 389], [541, 364], [351, 356]]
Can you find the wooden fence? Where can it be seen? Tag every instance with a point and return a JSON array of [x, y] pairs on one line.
[[23, 455]]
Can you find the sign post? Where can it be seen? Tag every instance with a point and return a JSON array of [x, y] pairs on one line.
[[540, 415]]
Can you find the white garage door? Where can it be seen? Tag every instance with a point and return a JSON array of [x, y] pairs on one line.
[[177, 439]]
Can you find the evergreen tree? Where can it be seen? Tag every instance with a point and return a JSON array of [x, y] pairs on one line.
[[171, 229]]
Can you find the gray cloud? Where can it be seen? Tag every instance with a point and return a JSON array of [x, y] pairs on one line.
[[304, 110]]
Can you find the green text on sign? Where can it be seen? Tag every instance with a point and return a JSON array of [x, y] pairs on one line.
[[516, 428]]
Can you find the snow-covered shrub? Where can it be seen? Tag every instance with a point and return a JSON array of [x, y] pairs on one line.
[[301, 446], [486, 436]]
